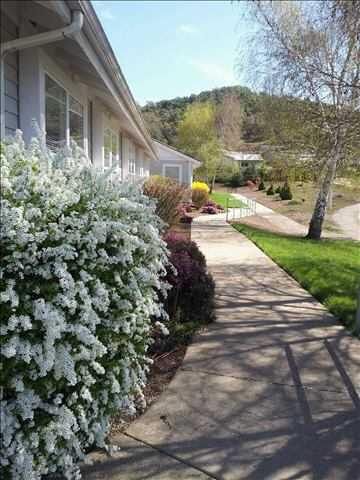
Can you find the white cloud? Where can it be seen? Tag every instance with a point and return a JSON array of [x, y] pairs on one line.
[[187, 29], [214, 71]]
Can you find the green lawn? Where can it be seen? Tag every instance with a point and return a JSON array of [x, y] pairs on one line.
[[328, 269], [222, 198]]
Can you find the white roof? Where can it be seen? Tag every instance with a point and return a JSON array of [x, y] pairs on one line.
[[167, 153], [246, 157]]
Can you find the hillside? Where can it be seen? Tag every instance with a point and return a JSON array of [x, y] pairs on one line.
[[162, 117]]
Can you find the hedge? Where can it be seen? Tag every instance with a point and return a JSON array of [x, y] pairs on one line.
[[82, 267]]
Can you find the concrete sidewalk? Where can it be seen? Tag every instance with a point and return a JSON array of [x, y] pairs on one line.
[[277, 221], [269, 391], [348, 219]]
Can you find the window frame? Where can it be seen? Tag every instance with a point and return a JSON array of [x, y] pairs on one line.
[[82, 116], [113, 135], [68, 94], [132, 161]]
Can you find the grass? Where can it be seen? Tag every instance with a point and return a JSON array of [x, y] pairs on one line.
[[328, 269], [345, 192], [226, 199]]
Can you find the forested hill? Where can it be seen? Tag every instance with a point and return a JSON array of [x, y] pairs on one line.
[[239, 104]]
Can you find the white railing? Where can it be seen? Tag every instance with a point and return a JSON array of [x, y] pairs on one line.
[[236, 213]]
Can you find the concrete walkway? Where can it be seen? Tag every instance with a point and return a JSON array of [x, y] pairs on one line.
[[348, 219], [280, 223], [269, 391], [269, 219]]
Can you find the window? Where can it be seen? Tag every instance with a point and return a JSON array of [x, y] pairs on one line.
[[55, 113], [141, 162], [132, 159], [172, 171], [76, 121], [62, 114], [90, 130], [111, 149], [120, 154], [146, 166]]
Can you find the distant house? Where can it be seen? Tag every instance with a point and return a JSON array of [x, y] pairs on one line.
[[243, 159], [59, 69], [174, 164]]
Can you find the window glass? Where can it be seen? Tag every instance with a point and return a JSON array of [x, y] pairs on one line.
[[76, 121], [54, 90], [90, 130], [132, 162], [107, 148], [120, 152], [173, 172], [62, 112], [114, 149], [75, 106], [55, 113]]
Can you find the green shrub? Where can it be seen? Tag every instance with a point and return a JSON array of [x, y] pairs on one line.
[[270, 190], [249, 173], [199, 197], [261, 185], [168, 194], [224, 174], [278, 189], [236, 180], [192, 297], [285, 192]]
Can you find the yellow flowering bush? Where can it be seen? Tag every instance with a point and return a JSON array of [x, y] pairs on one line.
[[200, 186]]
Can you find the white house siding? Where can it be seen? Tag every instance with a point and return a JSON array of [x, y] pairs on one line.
[[9, 31], [103, 108], [34, 65], [169, 157], [184, 166]]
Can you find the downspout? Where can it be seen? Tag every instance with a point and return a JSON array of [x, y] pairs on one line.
[[77, 21]]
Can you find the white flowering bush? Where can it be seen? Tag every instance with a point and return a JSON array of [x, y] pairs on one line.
[[82, 265]]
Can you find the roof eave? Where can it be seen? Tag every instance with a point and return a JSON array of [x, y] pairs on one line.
[[99, 41], [183, 155]]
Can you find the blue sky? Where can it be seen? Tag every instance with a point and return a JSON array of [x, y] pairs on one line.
[[173, 48]]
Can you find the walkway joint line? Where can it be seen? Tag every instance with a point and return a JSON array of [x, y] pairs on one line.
[[171, 455], [260, 380], [344, 376]]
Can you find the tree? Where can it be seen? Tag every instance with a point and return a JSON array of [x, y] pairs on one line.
[[312, 51], [228, 121], [196, 136], [154, 125], [170, 112]]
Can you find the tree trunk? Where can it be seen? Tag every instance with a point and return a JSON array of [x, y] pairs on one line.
[[212, 185], [330, 201], [318, 216]]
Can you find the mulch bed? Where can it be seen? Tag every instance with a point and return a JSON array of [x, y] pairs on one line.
[[161, 373]]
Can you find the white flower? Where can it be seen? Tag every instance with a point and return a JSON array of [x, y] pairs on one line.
[[81, 261], [162, 328]]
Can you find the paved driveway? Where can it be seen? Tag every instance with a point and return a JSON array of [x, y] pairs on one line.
[[269, 391]]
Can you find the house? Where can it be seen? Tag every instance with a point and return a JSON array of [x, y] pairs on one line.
[[243, 159], [174, 164], [58, 68]]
